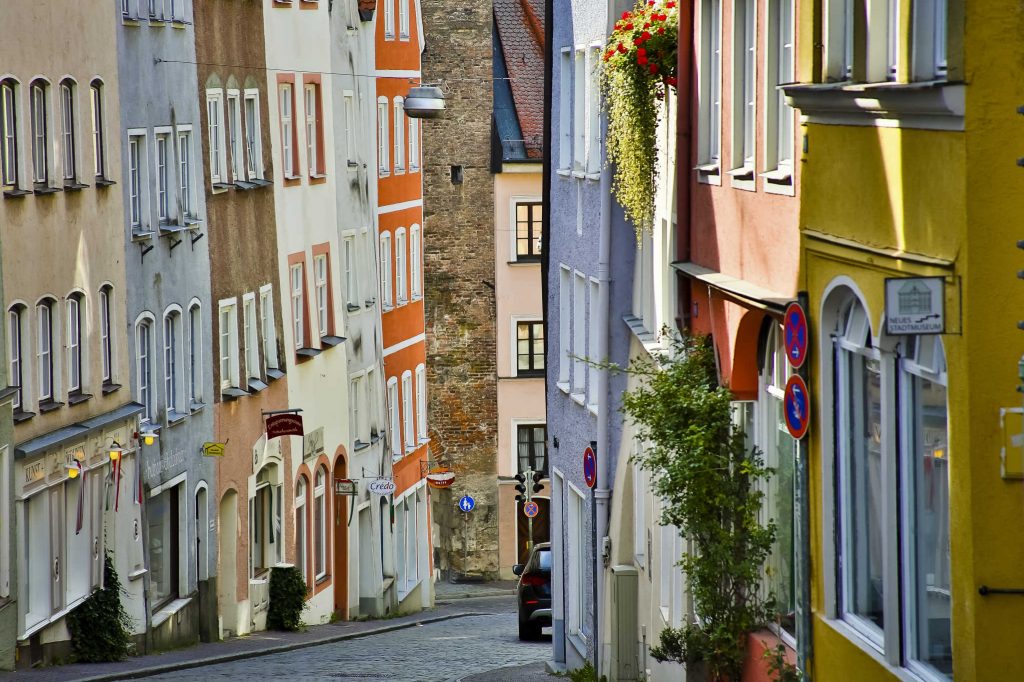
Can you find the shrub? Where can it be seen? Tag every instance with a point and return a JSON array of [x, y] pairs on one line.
[[100, 627], [287, 598]]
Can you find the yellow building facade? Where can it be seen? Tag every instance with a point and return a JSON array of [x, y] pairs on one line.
[[909, 174]]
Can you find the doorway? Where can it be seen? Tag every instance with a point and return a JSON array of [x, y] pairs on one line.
[[227, 566], [341, 503]]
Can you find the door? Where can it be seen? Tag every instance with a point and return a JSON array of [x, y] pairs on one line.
[[341, 503]]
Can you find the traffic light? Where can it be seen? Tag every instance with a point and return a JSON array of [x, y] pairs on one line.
[[521, 488], [536, 481]]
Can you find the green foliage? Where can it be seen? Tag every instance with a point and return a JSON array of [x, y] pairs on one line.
[[640, 64], [287, 598], [584, 674], [779, 666], [100, 627], [707, 480]]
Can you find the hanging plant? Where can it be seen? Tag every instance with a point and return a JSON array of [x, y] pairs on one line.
[[640, 64]]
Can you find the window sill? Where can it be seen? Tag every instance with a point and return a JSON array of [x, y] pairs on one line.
[[525, 260], [320, 580], [174, 417], [109, 388], [75, 186], [578, 174], [331, 341], [592, 408], [306, 353], [743, 178], [564, 172], [927, 105], [22, 416], [858, 640], [78, 398], [579, 398], [219, 186], [169, 609], [414, 169], [359, 445], [593, 176], [709, 174], [527, 374], [244, 185], [232, 393], [273, 374], [170, 228], [255, 385], [563, 386], [423, 441], [370, 302], [260, 182], [317, 176], [353, 308], [137, 573], [16, 193], [129, 21], [195, 407], [45, 191], [141, 236], [49, 406], [104, 182]]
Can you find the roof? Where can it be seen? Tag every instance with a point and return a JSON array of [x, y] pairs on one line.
[[519, 98]]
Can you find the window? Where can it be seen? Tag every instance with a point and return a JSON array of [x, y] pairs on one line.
[[215, 123], [172, 364], [136, 161], [44, 352], [892, 31], [533, 452], [564, 322], [269, 326], [15, 336], [144, 368], [779, 131], [235, 136], [579, 339], [298, 304], [394, 423], [594, 110], [253, 143], [301, 534], [744, 44], [399, 134], [185, 174], [152, 8], [415, 262], [355, 397], [312, 98], [195, 355], [320, 521], [163, 200], [385, 269], [67, 119], [389, 19], [592, 333], [73, 338], [528, 230], [421, 403], [839, 39], [414, 144], [403, 18], [640, 496], [579, 123], [401, 290], [229, 346], [252, 347], [383, 149], [174, 11], [106, 349], [320, 282], [40, 134], [530, 349], [929, 40], [576, 581], [98, 152], [5, 529], [164, 540], [565, 110], [407, 409], [8, 134], [351, 279], [126, 8], [286, 99], [710, 76], [350, 130]]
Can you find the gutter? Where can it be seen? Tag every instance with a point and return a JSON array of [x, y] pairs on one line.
[[685, 125]]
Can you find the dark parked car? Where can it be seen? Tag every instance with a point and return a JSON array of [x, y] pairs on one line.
[[534, 592]]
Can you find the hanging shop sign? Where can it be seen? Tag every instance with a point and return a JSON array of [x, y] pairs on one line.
[[797, 404], [914, 305], [214, 449], [284, 424], [345, 486], [794, 330], [590, 467], [382, 486], [440, 477]]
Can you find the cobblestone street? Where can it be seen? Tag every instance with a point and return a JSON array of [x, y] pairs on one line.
[[467, 646]]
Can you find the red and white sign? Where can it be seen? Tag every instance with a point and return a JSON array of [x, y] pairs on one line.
[[440, 477], [285, 424], [795, 334], [590, 467]]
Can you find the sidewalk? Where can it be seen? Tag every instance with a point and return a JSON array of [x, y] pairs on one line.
[[531, 672], [445, 592], [256, 644]]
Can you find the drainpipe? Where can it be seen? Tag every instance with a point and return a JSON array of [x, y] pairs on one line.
[[685, 98]]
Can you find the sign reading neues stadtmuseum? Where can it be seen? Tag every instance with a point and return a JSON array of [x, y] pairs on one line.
[[914, 305]]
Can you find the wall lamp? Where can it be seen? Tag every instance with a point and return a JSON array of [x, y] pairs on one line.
[[424, 101]]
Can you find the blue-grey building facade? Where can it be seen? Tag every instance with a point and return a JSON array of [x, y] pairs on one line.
[[589, 276], [168, 313]]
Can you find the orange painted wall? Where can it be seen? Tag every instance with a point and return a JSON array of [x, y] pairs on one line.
[[398, 53]]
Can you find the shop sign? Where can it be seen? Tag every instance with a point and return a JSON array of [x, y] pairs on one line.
[[313, 444], [914, 305], [382, 486], [214, 449], [345, 486], [440, 477], [285, 424]]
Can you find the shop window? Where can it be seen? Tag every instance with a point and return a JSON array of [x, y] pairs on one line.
[[165, 540]]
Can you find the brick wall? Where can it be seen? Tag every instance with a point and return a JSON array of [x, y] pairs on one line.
[[459, 282]]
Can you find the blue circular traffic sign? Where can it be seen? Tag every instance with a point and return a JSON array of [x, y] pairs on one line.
[[467, 503], [797, 404], [531, 509], [795, 334], [590, 467]]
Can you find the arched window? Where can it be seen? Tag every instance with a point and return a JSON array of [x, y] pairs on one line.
[[73, 342], [144, 368], [8, 133], [44, 349], [401, 289], [385, 270], [173, 398], [301, 529], [399, 136], [195, 354], [106, 344], [320, 522], [39, 98], [96, 118], [69, 146], [15, 338]]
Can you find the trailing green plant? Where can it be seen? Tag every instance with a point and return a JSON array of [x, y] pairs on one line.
[[585, 674], [639, 65], [779, 666], [287, 598], [101, 627], [708, 482]]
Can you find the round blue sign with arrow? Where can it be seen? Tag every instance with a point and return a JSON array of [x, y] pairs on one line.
[[467, 503], [531, 509], [794, 329], [797, 403]]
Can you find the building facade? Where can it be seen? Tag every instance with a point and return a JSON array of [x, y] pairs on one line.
[[168, 306]]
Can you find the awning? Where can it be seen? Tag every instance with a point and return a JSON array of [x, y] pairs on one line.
[[75, 431], [743, 292]]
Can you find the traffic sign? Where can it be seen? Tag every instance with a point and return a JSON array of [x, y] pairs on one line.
[[794, 330], [590, 467], [531, 509], [797, 403], [467, 503]]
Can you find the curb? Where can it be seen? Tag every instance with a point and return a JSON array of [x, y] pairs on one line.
[[448, 598], [282, 648]]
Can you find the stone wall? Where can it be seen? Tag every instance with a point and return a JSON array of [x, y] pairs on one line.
[[459, 283]]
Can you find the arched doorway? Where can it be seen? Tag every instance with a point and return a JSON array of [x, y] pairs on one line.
[[341, 503], [227, 565], [541, 527]]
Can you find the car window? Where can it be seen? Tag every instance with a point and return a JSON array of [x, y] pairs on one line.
[[545, 559]]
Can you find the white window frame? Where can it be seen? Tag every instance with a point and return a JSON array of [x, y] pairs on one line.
[[228, 339], [296, 279], [593, 164], [564, 328], [310, 95], [163, 173], [354, 302], [594, 288], [196, 342], [565, 110], [253, 135], [839, 39], [215, 132], [98, 132], [709, 77], [383, 144], [74, 341], [744, 93], [269, 326], [39, 117], [69, 131], [351, 148], [576, 576], [929, 40], [320, 501], [641, 494], [387, 302], [45, 361], [234, 135], [416, 262], [356, 411], [408, 418], [144, 367], [186, 173], [401, 290], [579, 119], [389, 19], [394, 418], [403, 19], [421, 403], [414, 144], [286, 113], [172, 361], [320, 284], [301, 527], [399, 126], [106, 338], [138, 180], [779, 119], [9, 148], [579, 336], [250, 337], [16, 315]]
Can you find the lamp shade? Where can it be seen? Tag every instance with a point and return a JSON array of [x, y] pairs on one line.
[[424, 101]]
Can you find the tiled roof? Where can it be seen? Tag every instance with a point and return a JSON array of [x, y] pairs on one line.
[[520, 26]]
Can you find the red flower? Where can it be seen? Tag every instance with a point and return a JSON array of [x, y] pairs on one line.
[[653, 68], [647, 25], [629, 27], [621, 48], [661, 30], [641, 60], [641, 52], [670, 4], [625, 15], [671, 80], [645, 35]]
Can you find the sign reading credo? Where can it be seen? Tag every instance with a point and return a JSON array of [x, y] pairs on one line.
[[382, 486], [285, 424], [440, 477]]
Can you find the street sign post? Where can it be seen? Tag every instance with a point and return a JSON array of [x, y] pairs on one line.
[[797, 404], [531, 509], [590, 467], [467, 503], [795, 334]]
